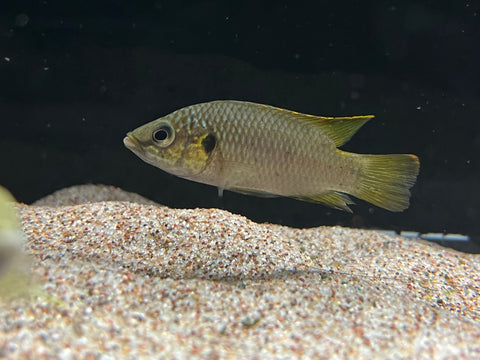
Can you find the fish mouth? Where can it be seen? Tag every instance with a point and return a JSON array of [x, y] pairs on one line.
[[131, 142], [134, 145]]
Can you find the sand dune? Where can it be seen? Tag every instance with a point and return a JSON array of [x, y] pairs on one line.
[[141, 280]]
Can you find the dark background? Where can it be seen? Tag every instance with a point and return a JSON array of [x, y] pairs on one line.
[[76, 76]]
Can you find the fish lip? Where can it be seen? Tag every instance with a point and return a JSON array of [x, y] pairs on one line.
[[131, 142]]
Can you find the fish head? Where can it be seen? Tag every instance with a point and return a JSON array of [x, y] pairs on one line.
[[173, 144]]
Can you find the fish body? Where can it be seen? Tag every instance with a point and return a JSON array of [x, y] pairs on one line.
[[16, 277], [264, 150], [14, 273]]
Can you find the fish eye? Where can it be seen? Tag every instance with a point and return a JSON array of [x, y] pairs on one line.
[[163, 135]]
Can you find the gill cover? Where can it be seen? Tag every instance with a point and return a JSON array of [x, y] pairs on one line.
[[198, 151]]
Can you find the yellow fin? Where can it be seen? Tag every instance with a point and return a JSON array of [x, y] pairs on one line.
[[14, 274], [339, 129], [333, 199], [385, 180], [16, 277]]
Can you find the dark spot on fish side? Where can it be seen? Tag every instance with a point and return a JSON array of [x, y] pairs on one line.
[[209, 143]]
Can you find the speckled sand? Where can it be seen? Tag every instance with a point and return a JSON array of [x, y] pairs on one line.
[[140, 281]]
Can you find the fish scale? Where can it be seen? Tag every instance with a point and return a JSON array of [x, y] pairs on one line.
[[264, 150], [268, 143]]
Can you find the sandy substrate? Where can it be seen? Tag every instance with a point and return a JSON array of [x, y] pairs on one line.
[[140, 280]]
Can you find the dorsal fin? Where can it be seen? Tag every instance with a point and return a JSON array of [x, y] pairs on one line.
[[339, 129]]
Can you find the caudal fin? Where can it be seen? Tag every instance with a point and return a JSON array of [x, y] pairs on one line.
[[385, 180]]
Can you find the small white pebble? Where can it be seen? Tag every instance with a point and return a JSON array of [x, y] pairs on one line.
[[106, 357], [65, 354]]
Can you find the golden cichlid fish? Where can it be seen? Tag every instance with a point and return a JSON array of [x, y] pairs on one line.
[[14, 273], [263, 150], [16, 276]]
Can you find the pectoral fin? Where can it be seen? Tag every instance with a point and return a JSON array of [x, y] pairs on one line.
[[235, 174], [253, 192], [333, 199]]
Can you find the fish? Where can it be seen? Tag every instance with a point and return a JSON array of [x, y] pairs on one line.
[[14, 273], [264, 150], [16, 276]]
